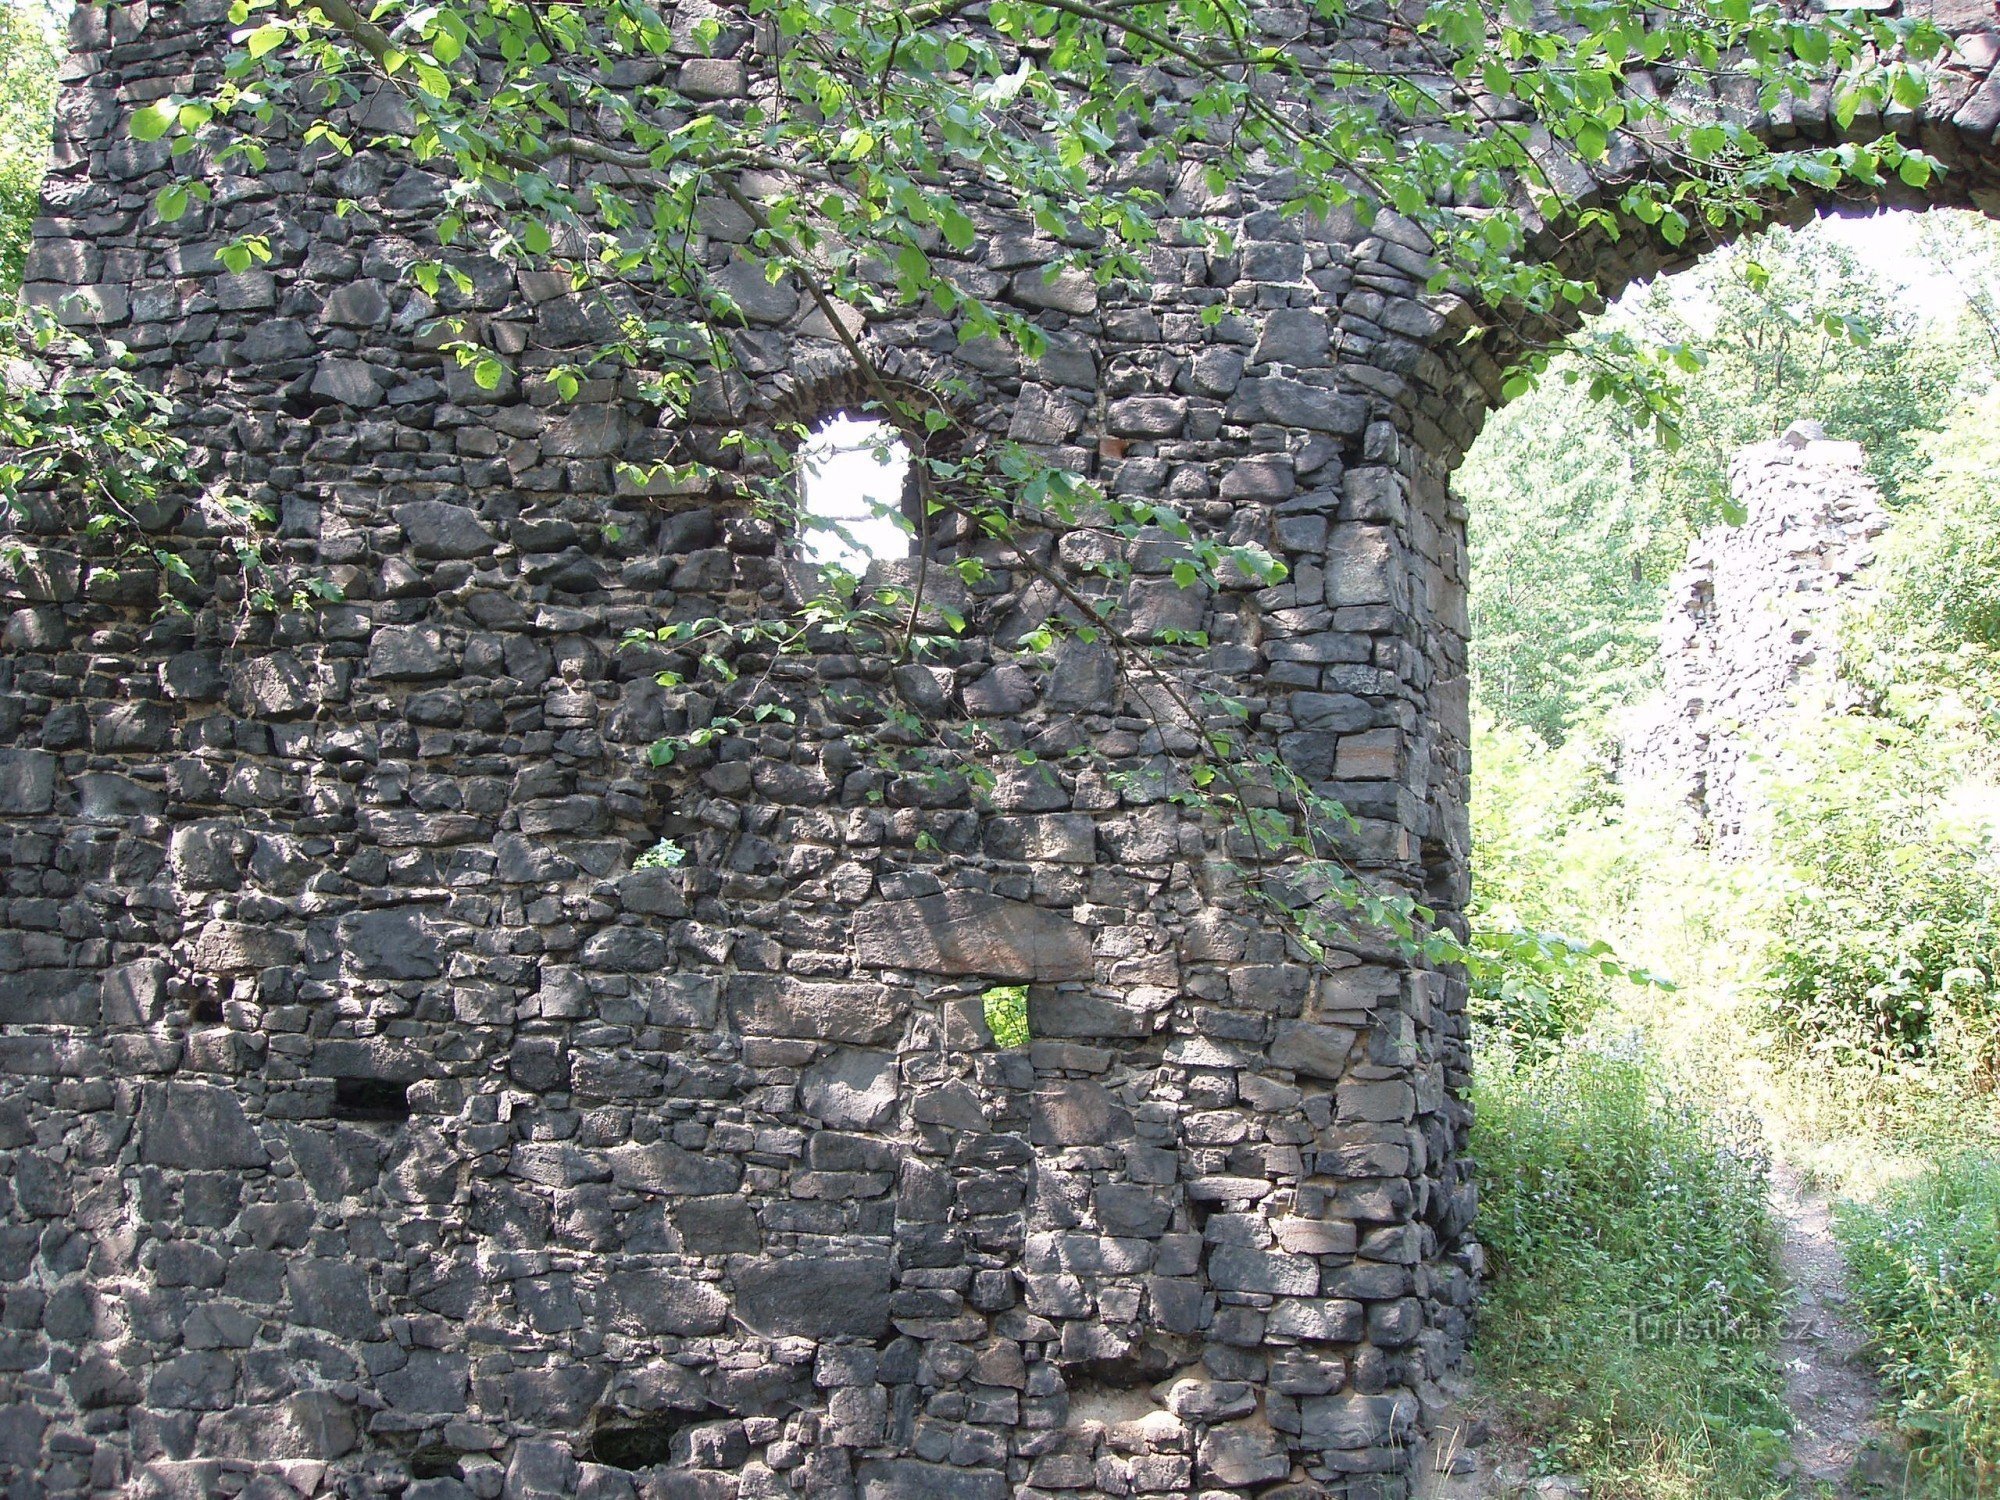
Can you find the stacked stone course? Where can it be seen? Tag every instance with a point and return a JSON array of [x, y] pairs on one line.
[[373, 1125]]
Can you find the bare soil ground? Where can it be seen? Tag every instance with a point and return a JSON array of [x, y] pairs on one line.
[[1842, 1448]]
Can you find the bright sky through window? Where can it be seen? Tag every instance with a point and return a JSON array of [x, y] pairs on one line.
[[852, 474]]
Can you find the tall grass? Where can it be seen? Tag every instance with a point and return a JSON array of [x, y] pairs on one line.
[[1925, 1264], [1634, 1292]]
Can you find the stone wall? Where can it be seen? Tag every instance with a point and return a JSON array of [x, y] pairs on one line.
[[373, 1123], [1755, 611], [370, 1119]]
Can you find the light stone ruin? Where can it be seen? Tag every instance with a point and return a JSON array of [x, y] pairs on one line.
[[1754, 613]]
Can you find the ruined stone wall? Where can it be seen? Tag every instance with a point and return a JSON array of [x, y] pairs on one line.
[[372, 1123], [1755, 610], [369, 1121]]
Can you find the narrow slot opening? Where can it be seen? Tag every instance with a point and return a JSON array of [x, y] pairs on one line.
[[370, 1099], [1006, 1013]]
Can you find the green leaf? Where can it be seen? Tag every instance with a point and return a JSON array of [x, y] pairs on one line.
[[266, 39], [155, 120]]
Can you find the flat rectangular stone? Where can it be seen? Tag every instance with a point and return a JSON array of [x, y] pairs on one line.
[[773, 1005], [1233, 1268], [969, 933]]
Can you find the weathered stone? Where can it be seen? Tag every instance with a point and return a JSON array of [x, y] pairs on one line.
[[333, 1295], [717, 1226], [134, 994], [814, 1297], [587, 432], [1753, 610], [1242, 1454], [911, 1479], [1147, 417], [628, 950], [656, 1302], [861, 1014], [1076, 1113], [1067, 291], [1065, 1013], [409, 653], [1326, 1319], [669, 1169], [1357, 1421], [27, 781], [351, 382], [1236, 1268], [360, 304], [560, 1147], [757, 297], [1317, 1051], [395, 944], [850, 1089], [438, 529], [237, 948], [965, 933], [1291, 403], [1293, 336]]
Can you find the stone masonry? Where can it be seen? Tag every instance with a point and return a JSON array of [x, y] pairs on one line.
[[1754, 611], [372, 1124]]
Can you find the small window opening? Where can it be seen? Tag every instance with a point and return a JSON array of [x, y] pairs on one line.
[[1007, 1015], [856, 494], [370, 1099], [637, 1442], [435, 1461]]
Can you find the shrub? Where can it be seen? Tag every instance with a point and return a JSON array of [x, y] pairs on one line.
[[1634, 1291], [1891, 918], [1925, 1263], [1553, 854]]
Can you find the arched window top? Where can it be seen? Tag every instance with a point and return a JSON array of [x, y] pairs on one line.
[[855, 505]]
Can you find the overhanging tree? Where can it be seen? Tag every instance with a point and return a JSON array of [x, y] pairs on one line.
[[572, 139]]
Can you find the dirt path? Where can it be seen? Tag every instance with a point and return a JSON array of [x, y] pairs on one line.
[[1841, 1446], [1841, 1449]]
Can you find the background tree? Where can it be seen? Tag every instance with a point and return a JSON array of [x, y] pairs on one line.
[[30, 52], [1580, 515]]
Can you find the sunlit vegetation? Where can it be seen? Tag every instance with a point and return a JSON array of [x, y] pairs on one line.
[[1840, 979]]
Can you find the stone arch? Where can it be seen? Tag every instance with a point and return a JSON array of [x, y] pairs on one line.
[[1956, 123]]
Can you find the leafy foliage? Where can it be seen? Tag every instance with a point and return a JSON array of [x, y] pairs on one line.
[[1554, 854], [1887, 805], [1579, 516], [1927, 1284], [1006, 1014], [1633, 1290], [866, 116], [1864, 920], [29, 55], [89, 454], [1887, 935], [570, 143]]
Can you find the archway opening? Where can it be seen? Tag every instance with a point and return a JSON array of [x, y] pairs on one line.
[[1734, 703], [856, 481]]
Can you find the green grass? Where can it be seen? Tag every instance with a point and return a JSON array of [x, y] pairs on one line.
[[1634, 1291], [1925, 1265]]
